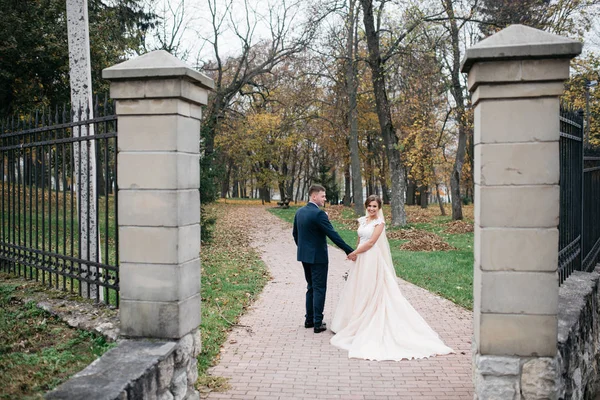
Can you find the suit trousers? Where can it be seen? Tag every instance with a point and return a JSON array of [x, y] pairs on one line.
[[316, 279]]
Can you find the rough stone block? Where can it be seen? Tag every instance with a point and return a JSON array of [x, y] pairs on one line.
[[498, 365], [185, 350], [516, 249], [160, 282], [495, 206], [519, 292], [159, 245], [180, 385], [518, 335], [517, 90], [192, 371], [517, 164], [197, 343], [517, 120], [159, 207], [192, 394], [167, 320], [159, 133], [540, 379], [168, 170], [166, 395], [497, 387], [165, 373]]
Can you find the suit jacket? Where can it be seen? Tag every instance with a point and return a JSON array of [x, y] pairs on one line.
[[311, 230]]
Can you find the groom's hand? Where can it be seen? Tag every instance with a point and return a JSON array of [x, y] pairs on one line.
[[352, 256]]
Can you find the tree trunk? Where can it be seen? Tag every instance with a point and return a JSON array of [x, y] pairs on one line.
[[352, 88], [385, 191], [292, 176], [423, 197], [385, 118], [439, 199], [347, 184], [226, 179], [281, 186], [457, 93], [456, 175], [410, 193]]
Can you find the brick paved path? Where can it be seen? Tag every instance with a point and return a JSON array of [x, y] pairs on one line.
[[280, 359]]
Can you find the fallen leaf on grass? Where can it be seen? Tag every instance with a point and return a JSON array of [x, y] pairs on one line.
[[422, 244], [458, 227], [420, 240]]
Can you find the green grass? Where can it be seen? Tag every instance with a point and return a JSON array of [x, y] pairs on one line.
[[38, 351], [446, 273], [233, 275]]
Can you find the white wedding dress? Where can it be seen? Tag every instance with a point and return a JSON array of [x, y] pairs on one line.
[[373, 320]]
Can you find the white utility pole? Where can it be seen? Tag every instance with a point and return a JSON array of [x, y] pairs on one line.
[[80, 76]]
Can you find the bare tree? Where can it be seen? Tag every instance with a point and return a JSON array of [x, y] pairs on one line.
[[175, 23], [377, 64], [258, 56], [352, 88], [457, 91]]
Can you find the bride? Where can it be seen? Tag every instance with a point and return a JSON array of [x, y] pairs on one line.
[[373, 320]]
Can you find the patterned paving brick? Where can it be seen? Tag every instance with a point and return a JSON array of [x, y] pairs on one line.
[[280, 359]]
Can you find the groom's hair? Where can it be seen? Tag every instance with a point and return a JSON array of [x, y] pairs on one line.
[[315, 188]]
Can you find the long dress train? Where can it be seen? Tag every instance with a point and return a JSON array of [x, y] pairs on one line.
[[373, 319]]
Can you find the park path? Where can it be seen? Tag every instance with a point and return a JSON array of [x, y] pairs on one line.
[[277, 358]]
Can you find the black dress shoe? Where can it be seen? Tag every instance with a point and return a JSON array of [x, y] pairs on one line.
[[309, 324], [320, 328]]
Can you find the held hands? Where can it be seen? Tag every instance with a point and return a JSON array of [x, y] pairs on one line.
[[352, 256]]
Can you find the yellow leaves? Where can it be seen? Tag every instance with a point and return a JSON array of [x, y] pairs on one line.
[[263, 123]]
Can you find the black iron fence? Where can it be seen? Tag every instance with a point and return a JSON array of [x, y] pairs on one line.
[[579, 224], [58, 205], [591, 209]]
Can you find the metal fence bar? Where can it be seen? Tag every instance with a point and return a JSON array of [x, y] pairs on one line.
[[571, 216], [591, 208], [579, 226], [40, 205]]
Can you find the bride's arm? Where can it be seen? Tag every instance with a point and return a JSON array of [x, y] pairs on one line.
[[369, 243]]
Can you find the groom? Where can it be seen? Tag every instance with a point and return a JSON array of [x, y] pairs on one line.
[[311, 230]]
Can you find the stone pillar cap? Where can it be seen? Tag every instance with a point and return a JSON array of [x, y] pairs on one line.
[[156, 64], [520, 42]]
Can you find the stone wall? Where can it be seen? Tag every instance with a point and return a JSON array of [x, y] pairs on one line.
[[579, 336], [138, 369], [573, 373]]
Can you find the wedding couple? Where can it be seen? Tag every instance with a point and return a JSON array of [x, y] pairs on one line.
[[373, 320]]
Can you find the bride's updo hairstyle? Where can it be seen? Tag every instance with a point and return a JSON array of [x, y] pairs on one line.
[[371, 198]]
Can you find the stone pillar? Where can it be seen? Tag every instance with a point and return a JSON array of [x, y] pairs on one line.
[[516, 77], [158, 102]]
